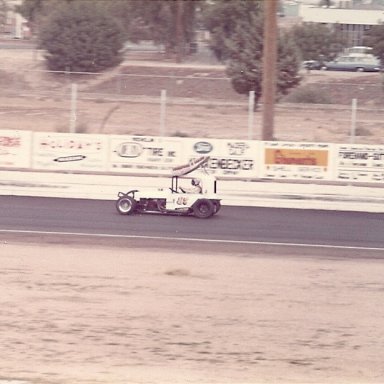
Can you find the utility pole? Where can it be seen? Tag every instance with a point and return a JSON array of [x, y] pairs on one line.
[[179, 31], [269, 67]]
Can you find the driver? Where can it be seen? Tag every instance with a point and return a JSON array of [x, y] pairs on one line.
[[196, 187]]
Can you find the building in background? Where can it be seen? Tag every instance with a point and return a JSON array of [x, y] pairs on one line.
[[352, 18], [15, 26]]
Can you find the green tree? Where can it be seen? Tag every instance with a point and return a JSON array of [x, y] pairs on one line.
[[375, 39], [80, 37], [3, 13], [171, 23], [222, 19], [34, 11], [168, 22], [317, 41], [245, 63], [238, 37]]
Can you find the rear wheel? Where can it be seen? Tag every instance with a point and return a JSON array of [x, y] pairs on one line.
[[203, 209], [126, 205]]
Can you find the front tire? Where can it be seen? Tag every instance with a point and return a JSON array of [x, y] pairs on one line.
[[126, 205], [203, 209], [217, 206]]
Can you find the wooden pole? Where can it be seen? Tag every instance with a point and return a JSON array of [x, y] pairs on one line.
[[179, 31], [269, 68]]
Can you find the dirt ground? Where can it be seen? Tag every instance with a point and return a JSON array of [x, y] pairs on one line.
[[200, 103], [113, 315]]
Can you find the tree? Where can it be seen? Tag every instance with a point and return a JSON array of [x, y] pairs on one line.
[[35, 10], [168, 22], [325, 3], [222, 18], [241, 44], [3, 13], [317, 41], [80, 37], [375, 39], [245, 63], [171, 23]]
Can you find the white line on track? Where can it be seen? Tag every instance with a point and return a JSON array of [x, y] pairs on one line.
[[106, 235]]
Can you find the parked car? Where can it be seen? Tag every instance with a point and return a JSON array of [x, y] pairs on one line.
[[367, 63], [312, 64]]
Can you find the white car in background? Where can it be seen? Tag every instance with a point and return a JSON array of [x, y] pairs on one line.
[[356, 63]]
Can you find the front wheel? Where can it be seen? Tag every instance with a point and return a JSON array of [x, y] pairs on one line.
[[203, 209], [126, 205], [217, 206]]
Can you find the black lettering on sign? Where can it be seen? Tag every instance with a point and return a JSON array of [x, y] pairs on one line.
[[230, 164], [64, 159]]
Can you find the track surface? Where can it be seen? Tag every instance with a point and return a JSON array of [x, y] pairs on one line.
[[232, 224]]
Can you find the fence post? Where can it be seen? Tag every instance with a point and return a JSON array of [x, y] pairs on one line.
[[353, 121], [72, 120], [163, 102], [251, 112]]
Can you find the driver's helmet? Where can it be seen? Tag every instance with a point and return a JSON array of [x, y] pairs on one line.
[[195, 182]]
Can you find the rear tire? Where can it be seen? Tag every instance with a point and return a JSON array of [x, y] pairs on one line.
[[203, 209], [126, 205]]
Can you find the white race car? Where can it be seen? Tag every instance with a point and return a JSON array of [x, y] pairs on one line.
[[200, 201]]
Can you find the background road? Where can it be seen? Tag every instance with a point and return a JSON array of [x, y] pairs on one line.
[[232, 224]]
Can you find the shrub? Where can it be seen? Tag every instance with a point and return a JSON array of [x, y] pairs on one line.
[[362, 131], [180, 134], [79, 37], [308, 95]]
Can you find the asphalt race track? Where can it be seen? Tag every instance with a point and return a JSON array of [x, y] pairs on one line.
[[233, 225]]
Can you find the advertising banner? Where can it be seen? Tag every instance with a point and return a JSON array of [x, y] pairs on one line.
[[288, 160], [15, 149], [72, 152], [363, 163], [231, 158], [145, 154]]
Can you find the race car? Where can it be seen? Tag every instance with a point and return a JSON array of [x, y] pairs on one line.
[[200, 201]]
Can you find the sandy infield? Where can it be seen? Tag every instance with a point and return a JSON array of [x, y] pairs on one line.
[[111, 315]]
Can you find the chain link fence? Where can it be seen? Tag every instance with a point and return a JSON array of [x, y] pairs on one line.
[[199, 101]]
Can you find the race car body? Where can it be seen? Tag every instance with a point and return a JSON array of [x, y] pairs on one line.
[[201, 201]]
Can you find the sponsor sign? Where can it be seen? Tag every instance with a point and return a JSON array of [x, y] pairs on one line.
[[359, 163], [65, 151], [286, 160], [15, 149], [142, 154], [232, 158]]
